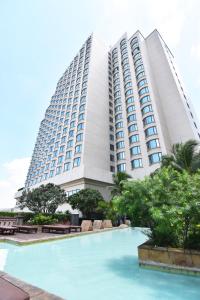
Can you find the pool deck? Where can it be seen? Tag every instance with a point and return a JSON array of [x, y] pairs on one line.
[[34, 292], [21, 239]]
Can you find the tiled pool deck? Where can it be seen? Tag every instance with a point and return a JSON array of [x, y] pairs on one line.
[[35, 293]]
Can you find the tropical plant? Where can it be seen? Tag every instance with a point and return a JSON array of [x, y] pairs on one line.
[[41, 219], [86, 201], [184, 156], [118, 179], [44, 199], [108, 211], [168, 203]]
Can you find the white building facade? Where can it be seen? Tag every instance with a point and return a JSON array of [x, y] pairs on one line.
[[114, 109]]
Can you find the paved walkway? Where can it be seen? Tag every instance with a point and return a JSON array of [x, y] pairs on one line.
[[35, 293]]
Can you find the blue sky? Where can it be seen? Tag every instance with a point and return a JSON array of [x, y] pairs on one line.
[[39, 38]]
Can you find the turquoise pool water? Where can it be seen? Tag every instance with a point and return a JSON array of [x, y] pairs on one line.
[[102, 266]]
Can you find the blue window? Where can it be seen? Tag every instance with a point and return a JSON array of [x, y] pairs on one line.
[[147, 109], [148, 120], [128, 84], [118, 108], [61, 149], [129, 100], [134, 138], [58, 170], [121, 167], [131, 118], [139, 68], [130, 108], [119, 134], [120, 145], [60, 159], [136, 163], [144, 100], [70, 143], [79, 137], [152, 144], [129, 92], [68, 154], [53, 163], [138, 62], [155, 158], [77, 162], [55, 153], [140, 75], [81, 117], [82, 107], [141, 83], [121, 155], [135, 150], [143, 91], [118, 117], [151, 131], [132, 128], [67, 166], [63, 139], [72, 124], [83, 99], [80, 126], [119, 125], [65, 130], [73, 116], [78, 149], [51, 173], [71, 133]]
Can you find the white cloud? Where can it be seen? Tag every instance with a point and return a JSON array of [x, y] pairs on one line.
[[15, 174]]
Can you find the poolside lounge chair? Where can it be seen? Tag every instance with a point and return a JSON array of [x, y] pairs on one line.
[[75, 228], [107, 224], [9, 291], [86, 225], [26, 228], [56, 228], [7, 230], [97, 225], [6, 225]]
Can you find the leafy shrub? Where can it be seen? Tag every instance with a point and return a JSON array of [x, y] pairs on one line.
[[42, 220], [168, 203]]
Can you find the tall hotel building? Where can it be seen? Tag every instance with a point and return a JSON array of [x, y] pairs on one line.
[[114, 109]]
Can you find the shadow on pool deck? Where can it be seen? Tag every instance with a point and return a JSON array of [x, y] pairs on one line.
[[171, 285]]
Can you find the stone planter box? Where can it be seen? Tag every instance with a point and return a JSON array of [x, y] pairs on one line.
[[169, 259]]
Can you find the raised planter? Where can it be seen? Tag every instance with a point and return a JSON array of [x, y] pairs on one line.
[[169, 259]]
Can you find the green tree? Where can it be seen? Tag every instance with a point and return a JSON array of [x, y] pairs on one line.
[[118, 179], [184, 156], [86, 201], [44, 199], [108, 211], [168, 203]]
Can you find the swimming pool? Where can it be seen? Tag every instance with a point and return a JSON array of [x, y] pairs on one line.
[[98, 266]]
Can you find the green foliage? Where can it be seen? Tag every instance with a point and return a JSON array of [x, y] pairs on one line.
[[118, 179], [108, 211], [184, 156], [43, 220], [168, 203], [44, 199], [86, 201]]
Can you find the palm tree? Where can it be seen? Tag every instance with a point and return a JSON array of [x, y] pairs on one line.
[[184, 156], [118, 180]]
